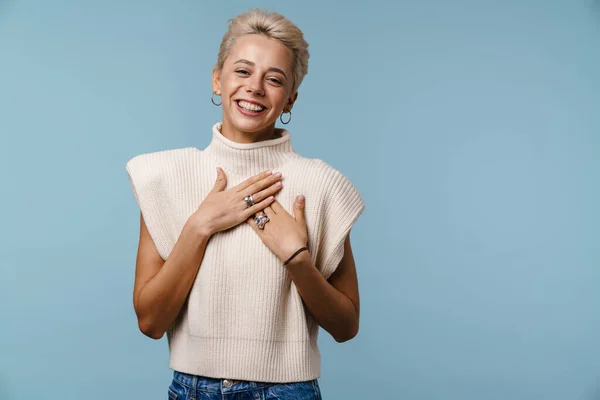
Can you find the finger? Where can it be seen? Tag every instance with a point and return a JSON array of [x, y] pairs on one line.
[[272, 180], [263, 194], [299, 207], [251, 211], [277, 207], [252, 180], [251, 222], [221, 181], [269, 210]]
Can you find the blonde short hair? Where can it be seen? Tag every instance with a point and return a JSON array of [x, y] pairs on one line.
[[272, 25]]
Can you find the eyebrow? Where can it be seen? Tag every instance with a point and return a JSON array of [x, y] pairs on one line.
[[250, 63]]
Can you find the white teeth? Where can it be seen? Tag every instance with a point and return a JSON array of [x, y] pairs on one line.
[[250, 106]]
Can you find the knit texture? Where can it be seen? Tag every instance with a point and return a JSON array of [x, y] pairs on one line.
[[244, 318]]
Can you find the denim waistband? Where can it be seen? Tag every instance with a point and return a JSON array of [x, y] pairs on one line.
[[214, 385]]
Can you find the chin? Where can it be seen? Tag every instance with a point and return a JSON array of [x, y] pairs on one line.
[[245, 124]]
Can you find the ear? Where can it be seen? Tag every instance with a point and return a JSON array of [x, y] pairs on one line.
[[291, 101], [216, 81]]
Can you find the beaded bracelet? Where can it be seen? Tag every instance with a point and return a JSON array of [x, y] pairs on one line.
[[295, 254]]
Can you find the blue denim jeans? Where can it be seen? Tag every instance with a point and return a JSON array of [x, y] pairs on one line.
[[193, 387]]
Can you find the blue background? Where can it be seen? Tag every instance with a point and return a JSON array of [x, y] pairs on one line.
[[471, 128]]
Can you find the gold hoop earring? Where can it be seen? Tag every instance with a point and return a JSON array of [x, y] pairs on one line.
[[288, 121], [212, 98]]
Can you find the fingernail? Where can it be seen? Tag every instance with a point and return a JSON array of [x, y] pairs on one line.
[[301, 198]]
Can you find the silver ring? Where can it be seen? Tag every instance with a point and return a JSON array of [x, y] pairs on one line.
[[261, 220], [249, 201]]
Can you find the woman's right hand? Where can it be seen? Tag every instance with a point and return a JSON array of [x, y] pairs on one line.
[[223, 209]]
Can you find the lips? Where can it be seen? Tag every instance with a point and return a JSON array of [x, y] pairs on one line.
[[250, 108], [250, 105]]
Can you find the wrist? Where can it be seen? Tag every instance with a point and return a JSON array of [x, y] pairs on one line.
[[298, 259], [200, 227]]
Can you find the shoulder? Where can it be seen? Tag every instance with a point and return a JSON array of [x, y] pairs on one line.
[[323, 172], [327, 185], [316, 166], [155, 169], [157, 162]]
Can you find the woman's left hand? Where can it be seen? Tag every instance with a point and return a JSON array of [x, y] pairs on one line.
[[283, 234]]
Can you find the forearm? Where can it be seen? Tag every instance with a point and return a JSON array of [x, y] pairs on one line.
[[161, 298], [330, 308]]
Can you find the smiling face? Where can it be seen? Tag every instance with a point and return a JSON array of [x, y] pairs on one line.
[[255, 85]]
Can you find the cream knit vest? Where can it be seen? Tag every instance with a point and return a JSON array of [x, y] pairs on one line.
[[244, 318]]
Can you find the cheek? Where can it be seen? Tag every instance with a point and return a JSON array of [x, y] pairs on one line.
[[230, 86], [279, 100]]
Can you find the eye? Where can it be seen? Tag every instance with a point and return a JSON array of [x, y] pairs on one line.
[[275, 80], [242, 71]]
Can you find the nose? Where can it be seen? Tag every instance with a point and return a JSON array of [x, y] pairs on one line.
[[255, 86]]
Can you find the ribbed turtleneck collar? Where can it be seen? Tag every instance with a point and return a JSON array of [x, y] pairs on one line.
[[249, 158]]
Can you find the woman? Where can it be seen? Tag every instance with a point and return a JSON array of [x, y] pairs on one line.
[[237, 269]]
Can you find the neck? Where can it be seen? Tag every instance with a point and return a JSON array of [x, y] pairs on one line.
[[248, 159], [235, 135]]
